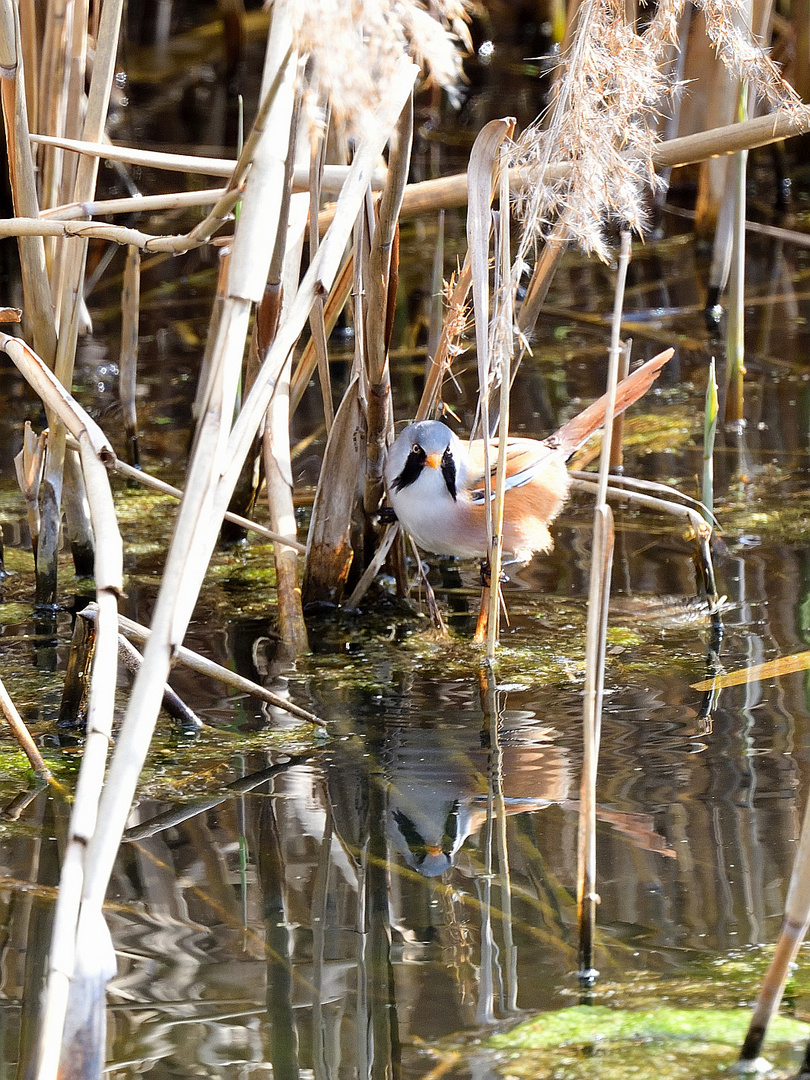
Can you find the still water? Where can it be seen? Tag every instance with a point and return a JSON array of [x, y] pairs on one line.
[[373, 897]]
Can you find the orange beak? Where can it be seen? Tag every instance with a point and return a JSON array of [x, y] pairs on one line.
[[434, 461]]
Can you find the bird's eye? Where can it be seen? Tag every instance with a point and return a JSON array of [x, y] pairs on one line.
[[417, 449]]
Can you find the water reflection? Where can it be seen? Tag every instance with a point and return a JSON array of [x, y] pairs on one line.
[[336, 913]]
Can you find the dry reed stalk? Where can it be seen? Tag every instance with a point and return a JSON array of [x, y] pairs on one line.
[[52, 75], [332, 182], [317, 320], [95, 451], [286, 238], [23, 735], [136, 204], [451, 191], [502, 345], [795, 924], [70, 303], [276, 452], [378, 304], [29, 38], [335, 303], [218, 458], [128, 358], [28, 466], [598, 598], [36, 289], [481, 178], [718, 95]]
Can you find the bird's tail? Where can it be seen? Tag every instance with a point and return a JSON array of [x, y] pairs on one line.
[[573, 434]]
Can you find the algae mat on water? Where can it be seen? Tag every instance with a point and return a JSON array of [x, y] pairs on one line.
[[599, 1042]]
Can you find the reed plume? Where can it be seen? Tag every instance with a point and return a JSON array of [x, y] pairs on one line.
[[353, 47], [601, 123]]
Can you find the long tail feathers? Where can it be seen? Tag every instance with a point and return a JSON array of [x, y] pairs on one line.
[[573, 434]]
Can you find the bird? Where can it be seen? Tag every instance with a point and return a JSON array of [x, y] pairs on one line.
[[435, 481]]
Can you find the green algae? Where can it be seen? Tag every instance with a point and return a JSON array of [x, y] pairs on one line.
[[589, 1025]]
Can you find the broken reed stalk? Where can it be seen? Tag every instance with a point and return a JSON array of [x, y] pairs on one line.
[[213, 472], [172, 702], [598, 598], [153, 482], [135, 204], [23, 735], [28, 467]]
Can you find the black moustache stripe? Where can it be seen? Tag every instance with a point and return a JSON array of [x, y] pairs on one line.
[[414, 464], [449, 473]]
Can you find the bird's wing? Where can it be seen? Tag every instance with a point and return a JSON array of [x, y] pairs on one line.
[[524, 459]]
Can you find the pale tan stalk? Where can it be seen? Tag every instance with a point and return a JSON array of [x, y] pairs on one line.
[[502, 345], [95, 451], [795, 924], [380, 421], [333, 175], [719, 93], [29, 38], [136, 204], [53, 98], [317, 323], [284, 236], [598, 598], [22, 734], [74, 95], [277, 460]]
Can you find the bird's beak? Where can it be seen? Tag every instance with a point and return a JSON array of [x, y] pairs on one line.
[[434, 461]]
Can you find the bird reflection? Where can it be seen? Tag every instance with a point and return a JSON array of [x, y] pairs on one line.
[[438, 790]]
